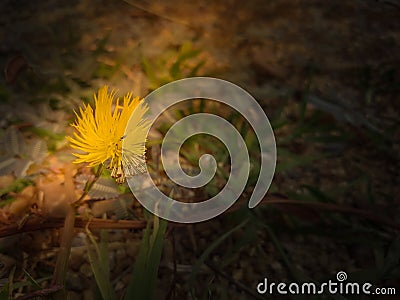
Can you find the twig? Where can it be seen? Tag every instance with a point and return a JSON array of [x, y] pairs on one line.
[[174, 20], [60, 270], [65, 248], [35, 224], [276, 200]]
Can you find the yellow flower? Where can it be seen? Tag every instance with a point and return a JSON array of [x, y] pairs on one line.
[[101, 131]]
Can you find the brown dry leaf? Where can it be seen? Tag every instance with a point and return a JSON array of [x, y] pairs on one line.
[[103, 207], [56, 163], [6, 180], [23, 201], [5, 217], [56, 192]]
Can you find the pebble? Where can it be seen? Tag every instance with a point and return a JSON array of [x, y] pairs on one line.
[[79, 240], [86, 270], [112, 260], [132, 248], [119, 286], [74, 282], [77, 257], [120, 255]]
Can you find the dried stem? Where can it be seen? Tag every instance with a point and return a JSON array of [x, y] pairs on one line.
[[67, 235]]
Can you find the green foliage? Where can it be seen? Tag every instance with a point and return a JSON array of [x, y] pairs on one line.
[[173, 66], [144, 276], [99, 261], [6, 291], [15, 187], [52, 139]]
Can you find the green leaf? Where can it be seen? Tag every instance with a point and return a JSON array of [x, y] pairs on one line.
[[186, 52], [149, 71], [196, 68], [318, 195], [99, 262], [144, 275], [32, 280], [291, 160], [17, 186]]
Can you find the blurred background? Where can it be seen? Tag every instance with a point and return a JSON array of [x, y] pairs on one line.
[[326, 74]]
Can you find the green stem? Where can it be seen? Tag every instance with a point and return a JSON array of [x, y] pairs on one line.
[[88, 186]]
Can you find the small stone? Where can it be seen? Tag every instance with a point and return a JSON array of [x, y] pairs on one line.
[[111, 258], [119, 286], [76, 258], [120, 255], [86, 270], [79, 240], [132, 248]]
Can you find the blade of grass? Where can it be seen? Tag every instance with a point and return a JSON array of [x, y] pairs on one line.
[[144, 275], [32, 280], [292, 160], [99, 262]]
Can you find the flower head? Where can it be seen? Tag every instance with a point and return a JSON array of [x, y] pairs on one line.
[[102, 130]]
